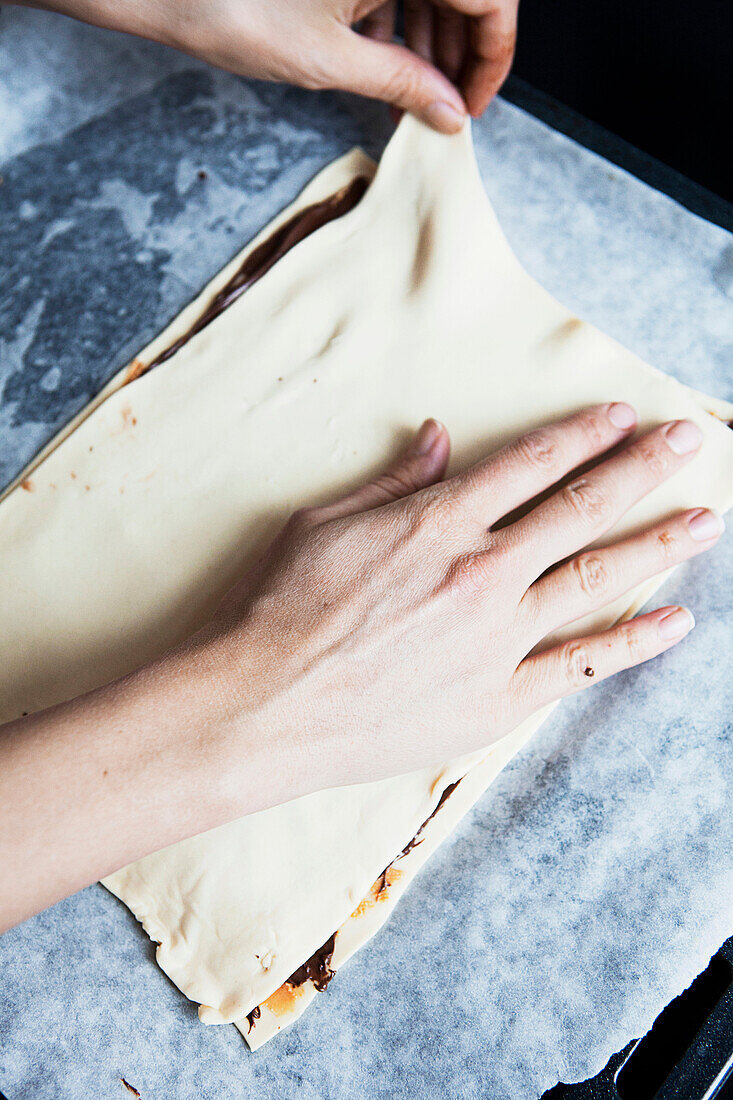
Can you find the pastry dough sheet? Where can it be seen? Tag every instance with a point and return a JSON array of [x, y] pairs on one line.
[[411, 305]]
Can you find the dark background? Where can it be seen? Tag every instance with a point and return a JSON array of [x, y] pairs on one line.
[[658, 74]]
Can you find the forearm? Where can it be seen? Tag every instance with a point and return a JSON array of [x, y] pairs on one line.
[[93, 784]]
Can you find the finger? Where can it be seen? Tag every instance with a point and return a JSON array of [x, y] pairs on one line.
[[386, 71], [422, 464], [568, 668], [380, 23], [419, 28], [449, 41], [536, 461], [597, 577], [492, 41], [590, 505]]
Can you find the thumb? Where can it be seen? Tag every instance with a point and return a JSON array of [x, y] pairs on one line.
[[422, 464], [384, 70]]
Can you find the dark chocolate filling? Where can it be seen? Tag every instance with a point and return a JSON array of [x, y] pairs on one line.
[[418, 839], [318, 967], [266, 255]]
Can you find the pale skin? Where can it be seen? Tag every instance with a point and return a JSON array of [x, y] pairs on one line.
[[456, 56], [394, 628]]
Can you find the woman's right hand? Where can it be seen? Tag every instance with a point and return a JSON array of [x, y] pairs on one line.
[[397, 627]]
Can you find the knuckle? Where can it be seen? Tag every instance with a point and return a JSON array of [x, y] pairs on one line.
[[667, 545], [652, 453], [539, 449], [394, 484], [302, 519], [594, 427], [439, 514], [634, 645], [592, 575], [577, 664], [588, 501], [471, 573]]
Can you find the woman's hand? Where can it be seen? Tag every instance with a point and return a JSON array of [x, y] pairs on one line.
[[392, 629], [471, 41], [458, 52], [396, 627]]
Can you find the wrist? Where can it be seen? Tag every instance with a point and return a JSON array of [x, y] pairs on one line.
[[230, 720]]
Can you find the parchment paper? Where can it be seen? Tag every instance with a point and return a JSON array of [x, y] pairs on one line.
[[595, 879]]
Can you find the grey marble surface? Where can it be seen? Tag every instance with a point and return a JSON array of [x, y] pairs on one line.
[[595, 878]]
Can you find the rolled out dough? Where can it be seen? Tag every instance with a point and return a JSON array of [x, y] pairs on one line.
[[124, 537]]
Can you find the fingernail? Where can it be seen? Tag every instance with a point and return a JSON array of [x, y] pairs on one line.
[[426, 438], [705, 525], [621, 415], [443, 117], [684, 437], [675, 624]]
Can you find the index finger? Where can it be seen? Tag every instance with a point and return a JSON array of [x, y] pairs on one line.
[[530, 465], [586, 508], [492, 41]]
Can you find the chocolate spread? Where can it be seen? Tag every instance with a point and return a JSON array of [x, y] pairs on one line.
[[318, 967], [266, 255], [418, 839]]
